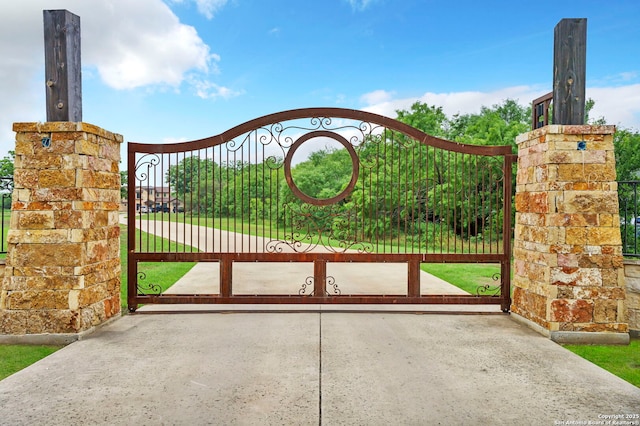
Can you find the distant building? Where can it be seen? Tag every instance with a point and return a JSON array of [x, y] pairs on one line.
[[151, 199]]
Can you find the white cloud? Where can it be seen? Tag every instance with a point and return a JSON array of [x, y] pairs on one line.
[[209, 7], [205, 89], [360, 5], [619, 105], [456, 102], [128, 44], [174, 139], [376, 97], [628, 76], [158, 50]]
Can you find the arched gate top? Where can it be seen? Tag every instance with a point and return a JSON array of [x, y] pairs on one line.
[[321, 113]]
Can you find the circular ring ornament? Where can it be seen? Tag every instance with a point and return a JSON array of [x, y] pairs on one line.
[[354, 168]]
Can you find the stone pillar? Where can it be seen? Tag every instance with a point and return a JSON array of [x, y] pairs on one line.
[[632, 279], [568, 273], [62, 275]]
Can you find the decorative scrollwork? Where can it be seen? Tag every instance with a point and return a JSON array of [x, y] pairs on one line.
[[307, 283], [148, 160], [147, 288], [488, 289], [331, 281]]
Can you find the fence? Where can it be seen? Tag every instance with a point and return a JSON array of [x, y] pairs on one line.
[[629, 200], [6, 187]]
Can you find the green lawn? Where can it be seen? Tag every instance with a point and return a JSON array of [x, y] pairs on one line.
[[623, 361], [164, 274], [397, 244], [16, 357], [467, 276]]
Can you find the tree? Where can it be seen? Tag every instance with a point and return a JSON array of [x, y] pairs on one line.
[[191, 181], [626, 145], [124, 184], [6, 171], [462, 191]]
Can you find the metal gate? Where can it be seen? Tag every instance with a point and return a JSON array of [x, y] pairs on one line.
[[375, 191]]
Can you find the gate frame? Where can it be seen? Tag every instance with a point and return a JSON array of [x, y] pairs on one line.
[[320, 294]]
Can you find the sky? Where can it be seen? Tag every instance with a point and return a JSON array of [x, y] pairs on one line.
[[175, 70]]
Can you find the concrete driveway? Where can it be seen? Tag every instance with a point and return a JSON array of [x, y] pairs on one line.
[[328, 366], [313, 369]]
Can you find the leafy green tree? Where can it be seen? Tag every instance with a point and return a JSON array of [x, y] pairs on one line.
[[496, 125], [124, 184], [6, 179], [464, 196], [627, 152], [181, 176], [6, 171], [428, 118], [192, 182]]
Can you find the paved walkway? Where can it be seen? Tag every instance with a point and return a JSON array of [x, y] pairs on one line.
[[313, 369]]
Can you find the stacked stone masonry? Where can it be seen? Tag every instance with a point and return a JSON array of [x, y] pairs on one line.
[[62, 271], [568, 264], [632, 278]]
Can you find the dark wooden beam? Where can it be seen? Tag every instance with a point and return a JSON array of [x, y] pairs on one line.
[[569, 71], [63, 74]]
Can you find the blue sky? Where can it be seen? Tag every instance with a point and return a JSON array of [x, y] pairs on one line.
[[175, 70]]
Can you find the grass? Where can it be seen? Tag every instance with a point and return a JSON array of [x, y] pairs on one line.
[[623, 361], [466, 276], [163, 274], [14, 358]]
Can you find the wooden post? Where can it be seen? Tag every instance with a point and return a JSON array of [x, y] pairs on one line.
[[569, 71], [62, 65]]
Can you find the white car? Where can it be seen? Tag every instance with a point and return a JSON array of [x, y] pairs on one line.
[[144, 209]]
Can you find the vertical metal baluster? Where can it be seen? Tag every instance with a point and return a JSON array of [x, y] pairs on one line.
[[155, 181], [264, 203], [278, 205], [235, 199], [259, 196], [489, 208], [184, 198], [418, 197], [378, 183], [416, 145], [399, 197], [426, 202], [455, 200], [483, 207], [406, 195], [198, 202], [219, 209], [441, 200], [162, 191], [248, 194], [475, 204], [470, 204], [241, 199], [386, 214]]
